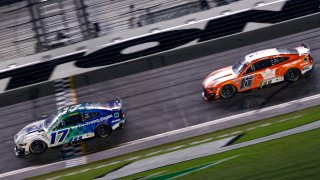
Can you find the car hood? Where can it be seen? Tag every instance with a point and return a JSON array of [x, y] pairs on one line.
[[220, 75], [30, 128]]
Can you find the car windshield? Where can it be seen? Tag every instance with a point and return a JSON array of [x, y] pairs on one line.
[[50, 120], [239, 66]]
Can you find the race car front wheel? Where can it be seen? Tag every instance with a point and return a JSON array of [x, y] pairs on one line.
[[228, 91], [292, 75], [103, 130], [37, 147]]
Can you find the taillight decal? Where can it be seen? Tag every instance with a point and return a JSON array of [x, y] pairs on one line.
[[122, 115]]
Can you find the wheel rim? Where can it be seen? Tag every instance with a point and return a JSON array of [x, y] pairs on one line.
[[293, 74], [103, 131], [37, 147], [228, 91]]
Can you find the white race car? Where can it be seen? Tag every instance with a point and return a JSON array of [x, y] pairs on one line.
[[69, 125]]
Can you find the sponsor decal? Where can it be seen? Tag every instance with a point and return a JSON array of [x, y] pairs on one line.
[[307, 67], [34, 128], [291, 64], [168, 40], [304, 64], [306, 59], [115, 121], [75, 139], [268, 74], [264, 83], [105, 118], [116, 115], [270, 81]]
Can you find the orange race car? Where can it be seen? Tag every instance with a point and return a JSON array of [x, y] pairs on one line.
[[257, 70]]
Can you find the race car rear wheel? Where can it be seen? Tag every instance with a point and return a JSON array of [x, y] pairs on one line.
[[228, 91], [38, 147], [292, 75], [103, 130]]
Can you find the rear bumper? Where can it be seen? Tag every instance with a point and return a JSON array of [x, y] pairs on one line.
[[119, 125], [307, 69]]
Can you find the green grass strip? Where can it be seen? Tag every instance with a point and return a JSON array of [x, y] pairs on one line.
[[292, 157]]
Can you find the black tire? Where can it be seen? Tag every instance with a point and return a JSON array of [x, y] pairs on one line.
[[103, 130], [38, 147], [292, 75], [228, 91]]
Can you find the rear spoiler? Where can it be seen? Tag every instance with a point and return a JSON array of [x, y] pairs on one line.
[[303, 49], [115, 102], [119, 100]]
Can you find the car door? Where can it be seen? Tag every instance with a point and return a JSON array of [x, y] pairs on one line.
[[262, 71], [247, 78], [269, 71], [66, 129], [277, 63], [86, 128]]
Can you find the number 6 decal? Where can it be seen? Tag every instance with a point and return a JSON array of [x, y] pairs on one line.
[[63, 132]]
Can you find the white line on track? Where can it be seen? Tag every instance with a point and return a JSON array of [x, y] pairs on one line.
[[153, 153], [224, 135], [174, 148], [252, 128], [202, 141], [151, 175], [236, 132], [264, 125], [133, 158], [105, 165]]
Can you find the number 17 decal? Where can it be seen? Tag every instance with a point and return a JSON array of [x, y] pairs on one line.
[[63, 134]]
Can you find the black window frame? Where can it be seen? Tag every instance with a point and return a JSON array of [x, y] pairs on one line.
[[283, 59], [94, 115], [252, 70], [260, 61]]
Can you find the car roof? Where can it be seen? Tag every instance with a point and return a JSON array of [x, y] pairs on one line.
[[269, 52], [85, 106]]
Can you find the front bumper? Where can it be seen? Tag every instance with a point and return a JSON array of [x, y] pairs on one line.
[[20, 151], [209, 96], [204, 97]]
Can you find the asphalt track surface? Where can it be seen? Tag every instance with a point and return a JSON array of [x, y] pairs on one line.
[[161, 100]]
